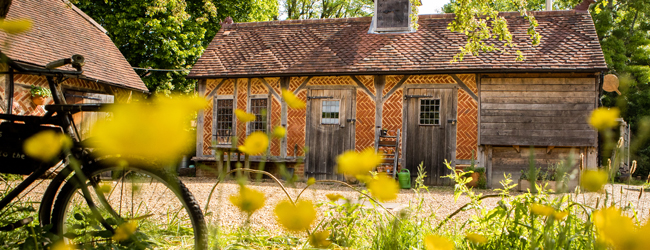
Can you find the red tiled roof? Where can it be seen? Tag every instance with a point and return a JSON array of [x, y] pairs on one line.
[[343, 46], [59, 31]]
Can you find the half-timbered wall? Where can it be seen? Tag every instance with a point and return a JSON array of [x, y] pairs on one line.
[[366, 107]]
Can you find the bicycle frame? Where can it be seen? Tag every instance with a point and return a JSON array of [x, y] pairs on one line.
[[63, 119]]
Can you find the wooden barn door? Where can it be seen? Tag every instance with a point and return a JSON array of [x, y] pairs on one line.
[[84, 121], [430, 131], [330, 130]]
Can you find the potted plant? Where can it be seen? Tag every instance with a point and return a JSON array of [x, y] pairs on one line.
[[477, 174], [39, 94]]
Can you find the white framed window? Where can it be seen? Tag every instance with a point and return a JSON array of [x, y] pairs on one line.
[[429, 112], [330, 111]]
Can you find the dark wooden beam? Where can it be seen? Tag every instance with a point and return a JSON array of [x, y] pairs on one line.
[[215, 88], [271, 90], [464, 87], [302, 85], [365, 89], [396, 87]]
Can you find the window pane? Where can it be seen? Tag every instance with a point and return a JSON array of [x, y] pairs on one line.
[[258, 108], [223, 121], [330, 112], [430, 111]]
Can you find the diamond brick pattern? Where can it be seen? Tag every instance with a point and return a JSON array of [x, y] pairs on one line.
[[369, 82], [276, 116], [429, 79], [331, 80], [242, 84], [210, 84], [258, 88], [295, 82], [296, 122], [391, 81], [336, 46], [227, 88], [392, 114], [56, 34], [207, 129], [470, 81], [365, 125], [467, 129]]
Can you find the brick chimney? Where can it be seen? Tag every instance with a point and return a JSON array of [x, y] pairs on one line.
[[391, 16], [584, 6]]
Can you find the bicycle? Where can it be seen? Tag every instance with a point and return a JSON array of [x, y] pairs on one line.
[[81, 202]]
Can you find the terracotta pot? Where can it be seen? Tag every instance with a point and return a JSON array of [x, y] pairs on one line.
[[38, 100], [474, 182]]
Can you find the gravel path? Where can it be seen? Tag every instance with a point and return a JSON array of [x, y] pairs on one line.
[[439, 200]]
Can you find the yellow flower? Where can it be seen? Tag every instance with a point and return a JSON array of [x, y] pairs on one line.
[[279, 132], [619, 230], [157, 130], [243, 116], [542, 210], [604, 118], [291, 100], [124, 231], [383, 188], [61, 246], [46, 145], [476, 238], [16, 26], [255, 144], [437, 242], [104, 188], [319, 239], [353, 163], [295, 218], [593, 180], [248, 200], [560, 215], [334, 197], [311, 181]]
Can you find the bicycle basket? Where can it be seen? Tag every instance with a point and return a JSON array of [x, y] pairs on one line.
[[12, 158]]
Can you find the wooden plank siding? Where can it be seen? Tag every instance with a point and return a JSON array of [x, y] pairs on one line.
[[537, 111], [506, 160]]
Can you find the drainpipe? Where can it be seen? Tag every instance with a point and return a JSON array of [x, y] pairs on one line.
[[549, 5]]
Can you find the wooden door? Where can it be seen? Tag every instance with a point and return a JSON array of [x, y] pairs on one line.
[[430, 131], [330, 130], [84, 121]]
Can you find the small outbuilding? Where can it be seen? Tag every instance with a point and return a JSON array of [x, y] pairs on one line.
[[357, 83], [60, 30]]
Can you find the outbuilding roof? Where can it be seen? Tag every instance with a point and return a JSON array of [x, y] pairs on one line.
[[60, 30], [344, 46]]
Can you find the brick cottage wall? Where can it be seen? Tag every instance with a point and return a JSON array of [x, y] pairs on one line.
[[365, 110]]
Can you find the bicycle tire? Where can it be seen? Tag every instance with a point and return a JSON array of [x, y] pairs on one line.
[[171, 182]]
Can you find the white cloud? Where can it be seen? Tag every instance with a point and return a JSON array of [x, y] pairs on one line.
[[432, 6]]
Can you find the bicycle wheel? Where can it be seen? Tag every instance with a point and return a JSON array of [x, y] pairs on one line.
[[133, 193]]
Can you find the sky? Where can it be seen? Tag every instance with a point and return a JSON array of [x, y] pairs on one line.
[[432, 6]]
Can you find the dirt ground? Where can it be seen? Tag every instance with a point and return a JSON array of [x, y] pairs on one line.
[[439, 200]]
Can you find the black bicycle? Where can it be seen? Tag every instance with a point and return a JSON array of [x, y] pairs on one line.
[[95, 198]]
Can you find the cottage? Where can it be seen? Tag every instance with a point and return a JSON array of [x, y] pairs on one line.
[[357, 83], [60, 30]]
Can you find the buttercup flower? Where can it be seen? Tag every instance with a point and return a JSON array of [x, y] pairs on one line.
[[291, 100], [159, 130], [46, 145], [279, 132], [619, 231], [124, 231], [16, 26], [476, 238], [319, 239], [334, 197], [104, 188], [604, 118], [61, 246], [437, 242], [311, 181], [542, 210], [353, 163], [593, 180], [383, 188], [243, 116], [295, 218], [248, 200], [560, 215], [255, 144]]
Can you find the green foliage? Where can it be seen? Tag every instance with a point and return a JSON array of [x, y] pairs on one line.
[[40, 91], [170, 34], [310, 9]]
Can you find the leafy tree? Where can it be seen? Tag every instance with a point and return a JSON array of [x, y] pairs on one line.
[[170, 34], [309, 9]]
